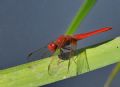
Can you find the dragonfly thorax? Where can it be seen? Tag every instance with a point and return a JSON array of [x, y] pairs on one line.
[[63, 40], [60, 42]]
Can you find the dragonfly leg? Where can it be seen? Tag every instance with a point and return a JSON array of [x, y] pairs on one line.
[[72, 49], [52, 58], [60, 55], [87, 61], [49, 69], [72, 52], [68, 66]]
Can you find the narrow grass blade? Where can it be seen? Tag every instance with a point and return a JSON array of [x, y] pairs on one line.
[[114, 72], [80, 15]]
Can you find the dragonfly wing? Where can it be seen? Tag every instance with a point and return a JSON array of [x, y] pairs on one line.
[[55, 64], [39, 54], [82, 63], [73, 47]]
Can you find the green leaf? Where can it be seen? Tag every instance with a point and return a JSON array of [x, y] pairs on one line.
[[36, 73]]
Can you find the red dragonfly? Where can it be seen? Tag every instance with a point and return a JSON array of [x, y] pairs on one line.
[[67, 44]]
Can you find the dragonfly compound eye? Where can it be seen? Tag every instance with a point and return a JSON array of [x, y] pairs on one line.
[[52, 47]]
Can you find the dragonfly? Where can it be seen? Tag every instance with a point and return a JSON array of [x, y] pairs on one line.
[[65, 47]]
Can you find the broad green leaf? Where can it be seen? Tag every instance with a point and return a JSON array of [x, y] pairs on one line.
[[36, 73]]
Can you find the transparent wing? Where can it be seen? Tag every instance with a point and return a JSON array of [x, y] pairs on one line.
[[57, 65], [82, 63], [53, 66], [39, 54]]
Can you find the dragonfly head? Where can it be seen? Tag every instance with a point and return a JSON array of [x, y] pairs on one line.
[[52, 46]]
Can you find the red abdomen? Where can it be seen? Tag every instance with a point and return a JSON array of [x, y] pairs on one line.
[[88, 34]]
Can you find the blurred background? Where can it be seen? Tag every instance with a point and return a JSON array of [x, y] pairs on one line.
[[26, 25]]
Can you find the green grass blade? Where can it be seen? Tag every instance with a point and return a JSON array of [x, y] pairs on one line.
[[36, 73], [80, 15], [113, 74]]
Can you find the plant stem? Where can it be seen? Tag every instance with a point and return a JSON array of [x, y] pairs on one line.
[[80, 15], [113, 74]]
